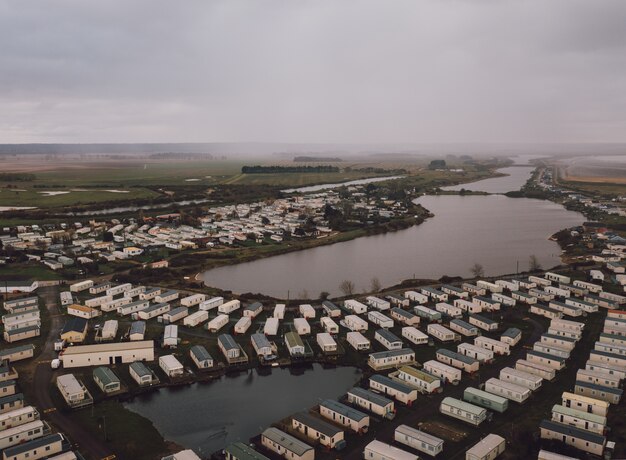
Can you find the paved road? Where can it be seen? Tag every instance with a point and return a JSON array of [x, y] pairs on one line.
[[87, 443]]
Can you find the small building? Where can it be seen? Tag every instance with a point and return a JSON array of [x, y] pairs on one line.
[[307, 311], [83, 286], [388, 339], [443, 371], [42, 447], [153, 311], [581, 439], [483, 322], [253, 310], [371, 402], [344, 415], [229, 307], [379, 319], [427, 313], [106, 379], [133, 307], [449, 310], [141, 373], [302, 326], [18, 353], [166, 297], [243, 324], [478, 353], [540, 370], [418, 379], [414, 335], [319, 430], [329, 325], [415, 296], [378, 303], [389, 387], [377, 450], [585, 403], [463, 411], [355, 324], [192, 300], [231, 349], [358, 341], [171, 366], [210, 304], [463, 328], [331, 309], [418, 440], [217, 323], [261, 345], [490, 447], [484, 399], [201, 357], [405, 317], [498, 347], [271, 326], [326, 342], [170, 336], [108, 331], [74, 330], [286, 445], [583, 420], [196, 318], [525, 379], [442, 333], [175, 314], [294, 344], [137, 331], [22, 333], [608, 394], [469, 365], [73, 391], [355, 307], [82, 311]]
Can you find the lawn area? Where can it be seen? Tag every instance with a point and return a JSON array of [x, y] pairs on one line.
[[298, 179], [36, 197], [27, 272]]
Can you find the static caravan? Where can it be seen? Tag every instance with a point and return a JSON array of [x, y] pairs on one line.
[[492, 287], [302, 326], [487, 400], [565, 343], [498, 347], [542, 295], [576, 335], [397, 390], [512, 285], [418, 440], [354, 306], [463, 411], [106, 379], [612, 322], [574, 290], [585, 403], [354, 323], [98, 301], [153, 311], [150, 294], [610, 395], [610, 348], [591, 287], [81, 286], [279, 311], [388, 339], [420, 380], [620, 314], [585, 375], [463, 328], [379, 319], [579, 419], [16, 435], [192, 300], [525, 379], [606, 369], [449, 310], [230, 348], [329, 325], [326, 342], [18, 417], [261, 345], [608, 358], [211, 303], [583, 305], [601, 302], [294, 344], [469, 365], [442, 333], [217, 323], [332, 310], [242, 325], [547, 312], [398, 301], [527, 283], [486, 303], [134, 292], [371, 402], [254, 309], [119, 289], [66, 298], [473, 289], [427, 313], [540, 370], [524, 297], [572, 436], [319, 430], [483, 323], [22, 333], [307, 311], [613, 339], [271, 326], [511, 336], [392, 358], [547, 455], [170, 336], [175, 315], [201, 357], [488, 448], [405, 317], [114, 304], [229, 307], [557, 278], [377, 303], [286, 445], [557, 292], [503, 299], [133, 307], [344, 415], [455, 291], [443, 371], [196, 318], [619, 299], [377, 450], [141, 373], [507, 390], [434, 294], [358, 341], [168, 296], [555, 362], [566, 309], [551, 350], [416, 297], [480, 354], [414, 335]]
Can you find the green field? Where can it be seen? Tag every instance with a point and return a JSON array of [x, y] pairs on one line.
[[297, 179], [34, 197]]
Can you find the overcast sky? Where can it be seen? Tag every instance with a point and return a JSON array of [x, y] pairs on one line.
[[313, 71]]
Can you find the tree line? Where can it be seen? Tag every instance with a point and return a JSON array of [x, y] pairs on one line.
[[288, 169]]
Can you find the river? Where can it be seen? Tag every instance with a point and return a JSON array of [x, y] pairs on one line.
[[207, 417], [317, 188], [495, 231]]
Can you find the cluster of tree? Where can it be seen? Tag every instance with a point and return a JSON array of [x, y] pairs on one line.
[[307, 159], [288, 169], [180, 156], [16, 177], [437, 164], [371, 170]]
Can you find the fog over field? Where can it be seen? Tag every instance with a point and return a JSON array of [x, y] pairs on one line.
[[311, 71]]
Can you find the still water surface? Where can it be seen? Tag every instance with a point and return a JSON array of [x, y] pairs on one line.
[[207, 417]]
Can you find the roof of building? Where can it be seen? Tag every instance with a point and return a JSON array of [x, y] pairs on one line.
[[137, 327], [22, 330], [370, 396], [593, 386], [419, 374], [108, 347], [293, 340], [391, 353], [572, 431], [558, 408], [105, 375], [82, 308], [387, 335], [344, 410], [75, 324], [227, 341], [317, 424], [9, 351], [260, 340], [511, 332], [140, 369], [454, 355], [34, 444], [242, 451], [200, 353], [386, 381], [287, 441], [463, 324], [70, 383]]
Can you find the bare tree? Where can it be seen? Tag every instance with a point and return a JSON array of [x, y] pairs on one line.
[[347, 287], [477, 270], [533, 263], [303, 294], [324, 295], [375, 285]]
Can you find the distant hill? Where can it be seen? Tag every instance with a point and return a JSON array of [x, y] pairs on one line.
[[308, 159]]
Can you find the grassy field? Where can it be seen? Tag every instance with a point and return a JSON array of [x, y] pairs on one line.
[[27, 272], [32, 197], [297, 179]]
